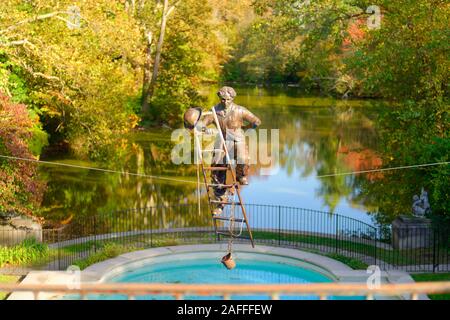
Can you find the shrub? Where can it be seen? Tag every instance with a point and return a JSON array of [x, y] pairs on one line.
[[107, 251], [27, 252], [20, 190]]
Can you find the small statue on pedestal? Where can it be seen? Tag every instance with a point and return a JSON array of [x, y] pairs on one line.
[[421, 205]]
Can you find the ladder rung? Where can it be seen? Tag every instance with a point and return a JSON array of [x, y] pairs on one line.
[[203, 133], [216, 168], [232, 236], [213, 150], [225, 202], [226, 186], [239, 220]]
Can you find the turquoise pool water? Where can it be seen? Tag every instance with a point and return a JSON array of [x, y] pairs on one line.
[[198, 268], [209, 271]]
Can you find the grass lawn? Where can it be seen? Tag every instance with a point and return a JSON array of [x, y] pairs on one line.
[[111, 248], [7, 279], [427, 277], [352, 263], [396, 257]]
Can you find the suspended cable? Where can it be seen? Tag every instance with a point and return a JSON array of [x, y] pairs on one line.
[[195, 182], [382, 170], [98, 169]]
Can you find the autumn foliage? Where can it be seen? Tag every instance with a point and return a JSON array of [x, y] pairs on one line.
[[20, 191]]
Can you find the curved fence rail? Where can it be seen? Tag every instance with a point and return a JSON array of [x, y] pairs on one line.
[[87, 239]]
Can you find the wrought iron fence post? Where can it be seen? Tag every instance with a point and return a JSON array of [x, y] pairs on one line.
[[434, 250], [95, 234], [151, 227], [279, 225], [336, 235], [59, 248], [376, 243]]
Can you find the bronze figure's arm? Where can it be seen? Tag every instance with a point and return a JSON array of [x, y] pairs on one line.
[[208, 119], [253, 120]]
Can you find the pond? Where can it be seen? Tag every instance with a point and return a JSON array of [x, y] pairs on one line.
[[318, 136]]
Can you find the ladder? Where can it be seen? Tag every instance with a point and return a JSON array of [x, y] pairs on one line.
[[232, 188]]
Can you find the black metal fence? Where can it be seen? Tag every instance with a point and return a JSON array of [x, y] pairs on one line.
[[88, 239]]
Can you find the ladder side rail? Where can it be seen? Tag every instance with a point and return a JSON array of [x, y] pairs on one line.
[[244, 214]]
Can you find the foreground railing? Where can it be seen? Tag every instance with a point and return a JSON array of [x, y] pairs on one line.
[[273, 291]]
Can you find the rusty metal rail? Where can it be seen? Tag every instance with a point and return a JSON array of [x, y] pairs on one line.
[[273, 291]]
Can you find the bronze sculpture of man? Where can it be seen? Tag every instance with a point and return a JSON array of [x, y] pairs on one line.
[[231, 118]]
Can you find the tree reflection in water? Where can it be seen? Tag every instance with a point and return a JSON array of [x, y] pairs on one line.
[[318, 136]]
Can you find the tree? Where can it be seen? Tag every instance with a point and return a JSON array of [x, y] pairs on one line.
[[403, 61], [149, 86], [78, 78], [187, 51], [20, 190]]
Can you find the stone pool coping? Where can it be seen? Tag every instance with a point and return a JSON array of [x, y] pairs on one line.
[[97, 272]]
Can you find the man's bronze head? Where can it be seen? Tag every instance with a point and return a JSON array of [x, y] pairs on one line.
[[227, 95]]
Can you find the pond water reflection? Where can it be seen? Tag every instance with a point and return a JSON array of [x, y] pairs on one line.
[[318, 136]]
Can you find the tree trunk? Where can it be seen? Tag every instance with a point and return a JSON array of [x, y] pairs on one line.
[[151, 86], [147, 72]]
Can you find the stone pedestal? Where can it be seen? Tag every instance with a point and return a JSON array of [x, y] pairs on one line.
[[409, 232], [15, 228]]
